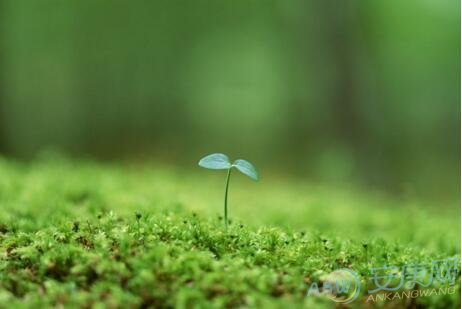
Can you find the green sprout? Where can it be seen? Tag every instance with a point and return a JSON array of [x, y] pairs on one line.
[[219, 161]]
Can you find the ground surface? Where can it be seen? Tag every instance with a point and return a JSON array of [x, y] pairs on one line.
[[81, 234]]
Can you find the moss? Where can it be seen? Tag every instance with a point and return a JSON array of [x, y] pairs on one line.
[[83, 234]]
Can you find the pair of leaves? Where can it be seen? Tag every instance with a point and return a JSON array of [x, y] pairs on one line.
[[219, 161]]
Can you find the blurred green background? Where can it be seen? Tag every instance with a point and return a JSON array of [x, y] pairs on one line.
[[341, 92]]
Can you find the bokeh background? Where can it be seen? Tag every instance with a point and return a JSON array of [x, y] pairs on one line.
[[364, 92]]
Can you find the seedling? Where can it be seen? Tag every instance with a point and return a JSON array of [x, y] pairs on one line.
[[219, 161]]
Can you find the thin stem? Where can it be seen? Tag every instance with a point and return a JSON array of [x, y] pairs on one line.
[[226, 199]]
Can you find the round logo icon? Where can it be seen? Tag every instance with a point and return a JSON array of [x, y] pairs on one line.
[[342, 285]]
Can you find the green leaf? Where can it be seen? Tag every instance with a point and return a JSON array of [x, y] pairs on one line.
[[215, 161], [246, 168]]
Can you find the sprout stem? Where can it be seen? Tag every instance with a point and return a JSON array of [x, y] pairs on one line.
[[226, 198]]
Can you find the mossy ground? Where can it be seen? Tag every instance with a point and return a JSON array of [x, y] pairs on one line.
[[83, 234]]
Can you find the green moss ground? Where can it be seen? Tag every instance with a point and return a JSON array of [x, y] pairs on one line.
[[69, 236]]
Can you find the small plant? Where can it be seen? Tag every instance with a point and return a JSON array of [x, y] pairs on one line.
[[219, 161]]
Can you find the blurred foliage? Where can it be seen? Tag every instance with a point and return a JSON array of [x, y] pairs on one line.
[[338, 91]]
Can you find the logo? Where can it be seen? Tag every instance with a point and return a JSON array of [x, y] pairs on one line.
[[413, 280], [342, 286], [389, 283]]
